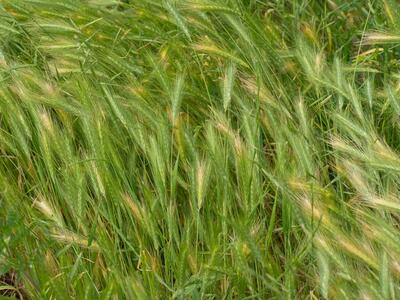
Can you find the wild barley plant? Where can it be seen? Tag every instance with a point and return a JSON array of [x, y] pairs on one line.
[[199, 149]]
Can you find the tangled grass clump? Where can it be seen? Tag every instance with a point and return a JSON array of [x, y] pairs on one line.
[[176, 149]]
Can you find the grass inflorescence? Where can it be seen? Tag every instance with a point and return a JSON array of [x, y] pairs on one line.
[[225, 149]]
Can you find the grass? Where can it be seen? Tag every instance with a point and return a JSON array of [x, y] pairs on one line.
[[225, 149]]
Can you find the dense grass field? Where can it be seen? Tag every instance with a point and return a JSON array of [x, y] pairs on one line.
[[202, 149]]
